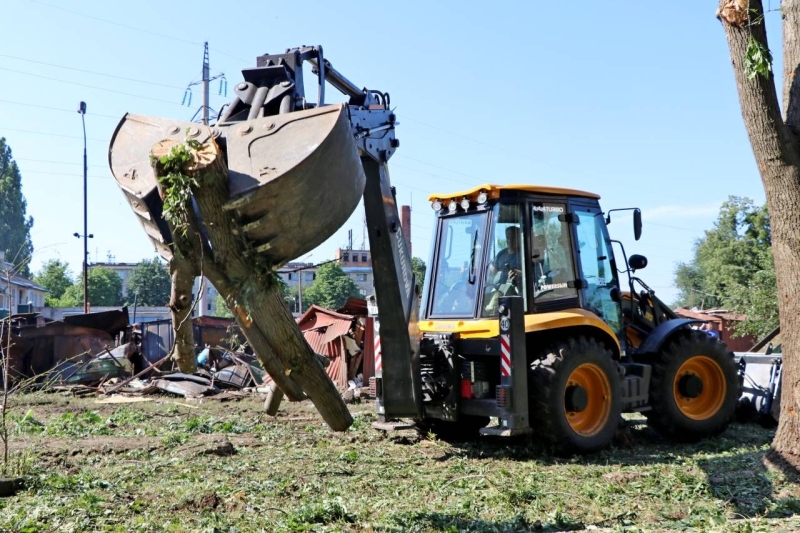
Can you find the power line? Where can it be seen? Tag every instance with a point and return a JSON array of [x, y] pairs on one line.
[[440, 167], [460, 182], [129, 27], [114, 91], [95, 73], [49, 108], [518, 155], [106, 178], [55, 162], [34, 132]]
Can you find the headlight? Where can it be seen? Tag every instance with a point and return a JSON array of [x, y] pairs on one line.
[[482, 197], [452, 206], [465, 203], [436, 205]]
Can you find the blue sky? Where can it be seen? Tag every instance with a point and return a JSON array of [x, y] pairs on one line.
[[633, 100]]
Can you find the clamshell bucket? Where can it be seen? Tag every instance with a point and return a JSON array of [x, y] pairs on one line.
[[293, 179]]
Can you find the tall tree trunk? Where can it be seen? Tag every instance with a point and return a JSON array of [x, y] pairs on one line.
[[777, 153], [247, 284], [182, 271]]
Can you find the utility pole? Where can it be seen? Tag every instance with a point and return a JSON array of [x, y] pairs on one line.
[[205, 110], [82, 111], [206, 73]]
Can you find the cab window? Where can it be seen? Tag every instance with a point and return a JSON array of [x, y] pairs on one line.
[[455, 283], [551, 254], [504, 274], [595, 257]]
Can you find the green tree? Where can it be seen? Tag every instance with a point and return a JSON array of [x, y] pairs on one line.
[[419, 267], [221, 308], [15, 225], [733, 267], [104, 286], [331, 288], [151, 281], [55, 276]]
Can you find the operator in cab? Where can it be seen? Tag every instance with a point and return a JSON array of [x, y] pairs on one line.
[[508, 262]]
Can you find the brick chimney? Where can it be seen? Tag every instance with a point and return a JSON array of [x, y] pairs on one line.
[[405, 223]]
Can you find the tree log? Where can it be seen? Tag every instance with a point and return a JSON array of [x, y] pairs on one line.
[[247, 284], [777, 153], [182, 271]]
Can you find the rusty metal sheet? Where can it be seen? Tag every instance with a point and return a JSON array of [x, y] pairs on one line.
[[314, 338], [112, 322], [354, 306], [337, 329], [316, 316], [183, 388]]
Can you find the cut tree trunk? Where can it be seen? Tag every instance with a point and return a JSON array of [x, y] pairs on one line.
[[777, 153], [249, 287], [182, 272]]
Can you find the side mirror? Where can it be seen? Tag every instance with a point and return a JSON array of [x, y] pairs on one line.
[[637, 225], [637, 262]]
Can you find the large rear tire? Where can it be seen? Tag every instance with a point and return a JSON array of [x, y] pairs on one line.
[[575, 398], [694, 389]]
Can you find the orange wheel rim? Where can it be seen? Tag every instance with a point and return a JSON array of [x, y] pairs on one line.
[[593, 418], [710, 399]]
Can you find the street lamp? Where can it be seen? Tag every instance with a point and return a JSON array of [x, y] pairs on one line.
[[82, 112]]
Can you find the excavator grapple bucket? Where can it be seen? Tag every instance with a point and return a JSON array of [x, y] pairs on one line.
[[293, 179]]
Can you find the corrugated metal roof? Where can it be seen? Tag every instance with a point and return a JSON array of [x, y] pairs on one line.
[[315, 311], [354, 306], [315, 339], [338, 329]]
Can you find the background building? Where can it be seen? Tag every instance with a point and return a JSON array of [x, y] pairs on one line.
[[123, 270], [358, 265], [17, 293], [205, 307]]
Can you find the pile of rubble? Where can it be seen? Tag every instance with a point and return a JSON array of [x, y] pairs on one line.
[[75, 356], [221, 373]]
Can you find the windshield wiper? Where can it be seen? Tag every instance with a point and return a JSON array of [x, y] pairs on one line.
[[471, 274]]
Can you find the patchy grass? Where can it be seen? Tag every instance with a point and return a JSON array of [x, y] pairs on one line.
[[160, 466]]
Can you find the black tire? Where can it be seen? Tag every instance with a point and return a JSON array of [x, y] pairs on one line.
[[674, 414], [465, 429], [552, 376]]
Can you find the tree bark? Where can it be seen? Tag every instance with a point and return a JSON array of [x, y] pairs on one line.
[[247, 284], [182, 271], [777, 154]]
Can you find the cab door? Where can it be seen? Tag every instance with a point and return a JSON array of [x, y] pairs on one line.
[[600, 286]]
